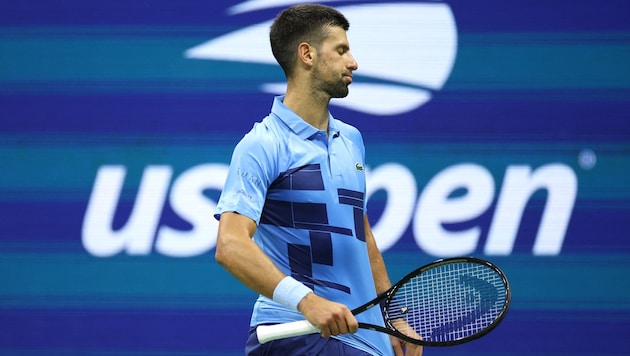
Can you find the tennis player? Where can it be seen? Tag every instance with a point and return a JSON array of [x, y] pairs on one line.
[[293, 224]]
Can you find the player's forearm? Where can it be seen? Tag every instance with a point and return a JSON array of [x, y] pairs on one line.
[[379, 271], [240, 256], [248, 264]]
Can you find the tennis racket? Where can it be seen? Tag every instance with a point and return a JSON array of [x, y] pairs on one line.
[[447, 302]]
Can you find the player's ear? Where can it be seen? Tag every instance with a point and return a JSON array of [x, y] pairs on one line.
[[306, 53]]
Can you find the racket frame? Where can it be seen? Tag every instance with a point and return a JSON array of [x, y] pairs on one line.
[[384, 298]]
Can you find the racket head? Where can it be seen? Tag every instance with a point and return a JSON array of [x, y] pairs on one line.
[[447, 302]]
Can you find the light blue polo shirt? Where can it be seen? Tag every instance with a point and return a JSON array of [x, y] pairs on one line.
[[306, 192]]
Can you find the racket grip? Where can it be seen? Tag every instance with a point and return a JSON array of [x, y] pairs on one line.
[[268, 333]]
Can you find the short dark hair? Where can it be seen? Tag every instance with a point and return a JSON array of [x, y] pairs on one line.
[[301, 23]]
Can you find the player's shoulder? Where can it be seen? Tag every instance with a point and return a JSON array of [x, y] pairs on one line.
[[263, 135], [343, 125], [347, 130]]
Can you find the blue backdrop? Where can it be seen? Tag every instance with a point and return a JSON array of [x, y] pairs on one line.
[[497, 129]]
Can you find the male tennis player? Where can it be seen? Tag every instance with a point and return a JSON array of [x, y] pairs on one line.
[[293, 224]]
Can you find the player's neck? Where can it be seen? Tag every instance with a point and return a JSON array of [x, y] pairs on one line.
[[311, 107]]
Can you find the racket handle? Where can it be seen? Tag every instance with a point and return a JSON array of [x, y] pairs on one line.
[[268, 333]]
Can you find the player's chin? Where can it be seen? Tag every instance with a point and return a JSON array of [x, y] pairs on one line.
[[340, 93]]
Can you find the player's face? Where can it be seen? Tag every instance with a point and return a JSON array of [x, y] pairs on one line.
[[333, 70]]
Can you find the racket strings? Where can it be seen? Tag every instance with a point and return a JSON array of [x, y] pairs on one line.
[[449, 302]]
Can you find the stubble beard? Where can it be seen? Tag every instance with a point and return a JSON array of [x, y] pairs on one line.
[[333, 89], [339, 90]]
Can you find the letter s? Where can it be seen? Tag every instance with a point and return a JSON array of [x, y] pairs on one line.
[[188, 201]]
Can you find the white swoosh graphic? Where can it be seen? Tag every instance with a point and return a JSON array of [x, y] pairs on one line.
[[414, 45], [253, 5]]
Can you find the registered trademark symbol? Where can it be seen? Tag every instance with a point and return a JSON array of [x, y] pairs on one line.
[[587, 159]]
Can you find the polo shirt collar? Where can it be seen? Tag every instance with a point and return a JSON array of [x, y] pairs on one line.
[[301, 128]]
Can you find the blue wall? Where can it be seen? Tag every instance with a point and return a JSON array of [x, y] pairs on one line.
[[498, 129]]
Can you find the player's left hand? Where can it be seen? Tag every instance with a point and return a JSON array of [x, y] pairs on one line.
[[402, 348]]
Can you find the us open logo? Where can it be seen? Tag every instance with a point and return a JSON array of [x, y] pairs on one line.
[[405, 51]]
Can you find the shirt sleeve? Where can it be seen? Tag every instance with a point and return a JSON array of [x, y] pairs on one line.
[[250, 173]]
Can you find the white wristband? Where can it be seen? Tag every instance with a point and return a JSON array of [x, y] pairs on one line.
[[289, 292]]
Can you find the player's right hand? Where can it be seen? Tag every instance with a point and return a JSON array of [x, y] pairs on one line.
[[330, 317]]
